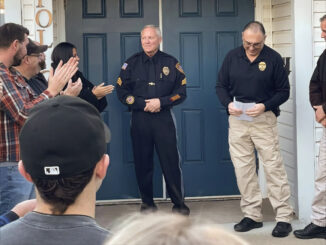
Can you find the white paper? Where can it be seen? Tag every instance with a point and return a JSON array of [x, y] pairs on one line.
[[244, 106]]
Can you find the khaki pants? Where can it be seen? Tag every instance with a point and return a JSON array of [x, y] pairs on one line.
[[244, 137], [318, 216]]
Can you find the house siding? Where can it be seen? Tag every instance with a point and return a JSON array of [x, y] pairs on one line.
[[276, 15], [282, 39]]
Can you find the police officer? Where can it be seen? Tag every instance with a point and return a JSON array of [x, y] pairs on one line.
[[150, 84], [254, 73]]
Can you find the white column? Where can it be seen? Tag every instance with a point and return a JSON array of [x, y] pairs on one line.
[[303, 68]]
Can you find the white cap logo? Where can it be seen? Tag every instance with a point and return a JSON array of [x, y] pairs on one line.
[[54, 170]]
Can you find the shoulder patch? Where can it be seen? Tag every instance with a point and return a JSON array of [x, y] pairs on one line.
[[175, 97], [119, 81], [124, 66], [130, 100], [184, 81], [179, 68]]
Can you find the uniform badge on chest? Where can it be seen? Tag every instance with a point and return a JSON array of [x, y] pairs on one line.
[[166, 70], [262, 66]]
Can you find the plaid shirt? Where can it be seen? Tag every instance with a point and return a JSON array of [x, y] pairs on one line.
[[16, 99]]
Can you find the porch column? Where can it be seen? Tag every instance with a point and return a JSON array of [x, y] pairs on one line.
[[303, 68]]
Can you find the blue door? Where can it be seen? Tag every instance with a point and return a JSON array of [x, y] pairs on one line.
[[200, 33], [197, 32]]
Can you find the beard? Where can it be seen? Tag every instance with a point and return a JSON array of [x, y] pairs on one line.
[[17, 59], [42, 64]]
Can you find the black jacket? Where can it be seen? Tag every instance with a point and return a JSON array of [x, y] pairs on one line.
[[317, 87], [87, 94]]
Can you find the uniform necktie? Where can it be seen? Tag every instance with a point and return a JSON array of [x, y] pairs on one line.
[[151, 79]]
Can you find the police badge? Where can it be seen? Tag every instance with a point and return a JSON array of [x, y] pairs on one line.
[[262, 66], [166, 70]]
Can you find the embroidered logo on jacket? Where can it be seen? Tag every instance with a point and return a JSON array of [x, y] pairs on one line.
[[262, 66], [130, 100]]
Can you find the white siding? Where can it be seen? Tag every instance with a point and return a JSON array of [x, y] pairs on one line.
[[281, 30], [276, 15]]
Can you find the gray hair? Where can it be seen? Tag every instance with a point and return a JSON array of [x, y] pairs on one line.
[[323, 18], [255, 26], [156, 28], [169, 229]]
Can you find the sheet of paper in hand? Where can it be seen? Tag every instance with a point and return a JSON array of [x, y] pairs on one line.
[[244, 106]]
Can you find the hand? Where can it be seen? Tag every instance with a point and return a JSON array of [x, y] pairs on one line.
[[62, 74], [256, 110], [153, 105], [100, 91], [234, 111], [320, 114], [73, 89], [24, 207]]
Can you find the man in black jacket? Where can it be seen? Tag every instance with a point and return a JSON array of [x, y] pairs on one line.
[[317, 93]]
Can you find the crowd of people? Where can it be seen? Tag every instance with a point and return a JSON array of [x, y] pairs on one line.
[[53, 142]]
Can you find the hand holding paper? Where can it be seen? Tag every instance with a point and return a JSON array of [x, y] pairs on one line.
[[243, 107], [256, 110]]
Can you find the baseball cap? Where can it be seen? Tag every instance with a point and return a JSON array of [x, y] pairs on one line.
[[33, 48], [62, 137]]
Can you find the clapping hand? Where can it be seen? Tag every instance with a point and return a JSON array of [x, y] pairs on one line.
[[100, 90]]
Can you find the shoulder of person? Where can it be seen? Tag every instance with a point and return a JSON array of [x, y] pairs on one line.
[[323, 56], [131, 61], [234, 53], [134, 57], [271, 53], [168, 57]]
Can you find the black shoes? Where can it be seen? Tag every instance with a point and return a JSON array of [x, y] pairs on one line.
[[144, 207], [282, 229], [181, 209], [311, 231], [247, 224]]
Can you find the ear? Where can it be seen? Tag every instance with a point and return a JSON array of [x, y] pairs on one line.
[[26, 59], [23, 172], [15, 44], [102, 166]]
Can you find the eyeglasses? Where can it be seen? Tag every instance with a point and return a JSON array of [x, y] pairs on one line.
[[36, 55], [254, 45]]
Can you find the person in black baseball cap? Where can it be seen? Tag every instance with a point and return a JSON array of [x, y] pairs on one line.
[[63, 148], [31, 65]]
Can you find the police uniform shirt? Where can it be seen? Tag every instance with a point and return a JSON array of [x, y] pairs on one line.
[[134, 84], [264, 80]]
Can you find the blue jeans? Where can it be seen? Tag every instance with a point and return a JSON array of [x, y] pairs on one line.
[[14, 188]]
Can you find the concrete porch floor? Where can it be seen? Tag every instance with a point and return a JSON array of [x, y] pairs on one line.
[[226, 213]]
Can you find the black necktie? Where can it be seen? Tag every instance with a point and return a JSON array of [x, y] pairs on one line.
[[151, 79]]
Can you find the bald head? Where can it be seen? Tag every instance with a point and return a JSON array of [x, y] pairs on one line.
[[255, 26]]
